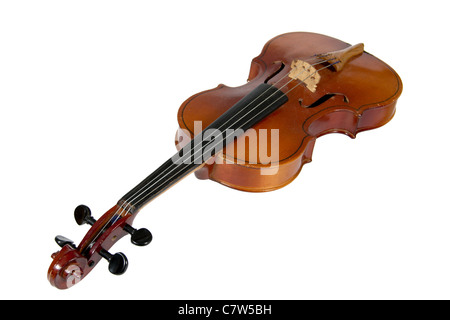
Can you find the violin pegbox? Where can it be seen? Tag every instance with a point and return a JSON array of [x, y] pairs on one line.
[[72, 263], [305, 73]]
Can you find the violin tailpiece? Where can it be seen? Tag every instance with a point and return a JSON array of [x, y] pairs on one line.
[[338, 59]]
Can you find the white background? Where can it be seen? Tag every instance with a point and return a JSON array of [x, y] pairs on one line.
[[89, 93]]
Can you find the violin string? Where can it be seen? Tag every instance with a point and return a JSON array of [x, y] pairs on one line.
[[254, 116], [128, 205], [204, 151], [223, 125], [153, 182]]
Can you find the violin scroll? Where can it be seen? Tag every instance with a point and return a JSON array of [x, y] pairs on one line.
[[67, 269], [73, 263]]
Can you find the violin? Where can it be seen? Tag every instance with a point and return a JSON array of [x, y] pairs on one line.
[[255, 137]]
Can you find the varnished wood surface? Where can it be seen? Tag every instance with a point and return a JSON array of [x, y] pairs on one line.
[[366, 90], [370, 86]]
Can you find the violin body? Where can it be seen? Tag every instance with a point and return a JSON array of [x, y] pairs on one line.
[[370, 86], [301, 86]]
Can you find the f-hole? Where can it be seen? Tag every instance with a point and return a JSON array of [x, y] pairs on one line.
[[324, 99], [276, 72]]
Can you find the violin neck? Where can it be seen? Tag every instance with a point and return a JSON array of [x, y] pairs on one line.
[[157, 182], [251, 109]]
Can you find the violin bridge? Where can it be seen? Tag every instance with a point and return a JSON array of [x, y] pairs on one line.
[[305, 73]]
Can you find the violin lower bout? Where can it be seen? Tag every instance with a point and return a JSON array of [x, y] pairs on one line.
[[258, 177]]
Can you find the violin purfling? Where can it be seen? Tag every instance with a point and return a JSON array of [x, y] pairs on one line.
[[255, 137]]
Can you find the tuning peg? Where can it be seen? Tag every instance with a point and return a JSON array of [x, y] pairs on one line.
[[62, 241], [141, 237], [83, 215], [118, 263]]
